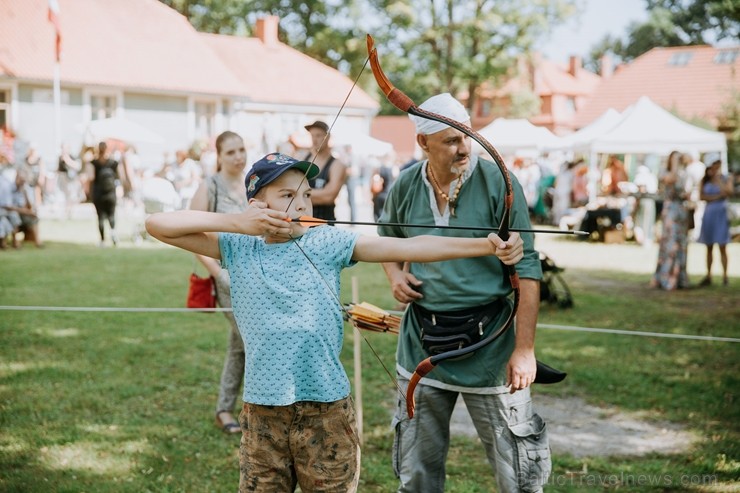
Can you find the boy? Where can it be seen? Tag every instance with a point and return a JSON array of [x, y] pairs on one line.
[[298, 420]]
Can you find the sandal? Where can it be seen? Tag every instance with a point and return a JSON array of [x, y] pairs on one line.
[[706, 281], [230, 428]]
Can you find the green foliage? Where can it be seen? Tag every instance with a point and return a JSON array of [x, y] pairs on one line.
[[425, 47], [454, 47], [123, 402], [214, 16], [699, 20], [524, 104], [673, 23]]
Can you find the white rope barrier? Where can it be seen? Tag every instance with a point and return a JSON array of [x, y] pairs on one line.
[[638, 333], [110, 309], [214, 310]]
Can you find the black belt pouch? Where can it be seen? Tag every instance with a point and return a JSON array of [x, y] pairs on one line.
[[447, 331]]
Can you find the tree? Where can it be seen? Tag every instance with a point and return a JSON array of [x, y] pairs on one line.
[[698, 21], [673, 23], [426, 46], [214, 16], [326, 31], [454, 46]]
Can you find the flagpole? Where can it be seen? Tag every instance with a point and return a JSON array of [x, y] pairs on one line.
[[57, 111], [53, 16]]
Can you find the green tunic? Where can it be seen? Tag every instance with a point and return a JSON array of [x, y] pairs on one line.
[[461, 283]]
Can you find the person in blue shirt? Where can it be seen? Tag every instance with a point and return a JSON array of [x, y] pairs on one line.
[[298, 422]]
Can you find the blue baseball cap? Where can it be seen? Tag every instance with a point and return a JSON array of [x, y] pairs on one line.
[[270, 167]]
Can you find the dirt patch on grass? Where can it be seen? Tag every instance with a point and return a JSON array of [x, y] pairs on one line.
[[583, 430]]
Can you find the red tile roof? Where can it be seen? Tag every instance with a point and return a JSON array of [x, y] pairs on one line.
[[276, 73], [133, 44], [550, 78], [145, 45], [698, 88], [554, 78], [399, 131]]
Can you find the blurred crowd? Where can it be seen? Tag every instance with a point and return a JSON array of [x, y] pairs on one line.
[[29, 184], [605, 198]]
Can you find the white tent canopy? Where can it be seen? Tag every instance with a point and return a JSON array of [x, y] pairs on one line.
[[119, 129], [512, 136], [646, 128], [361, 143], [582, 139]]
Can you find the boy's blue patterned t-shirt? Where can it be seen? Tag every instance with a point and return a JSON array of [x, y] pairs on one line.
[[291, 324]]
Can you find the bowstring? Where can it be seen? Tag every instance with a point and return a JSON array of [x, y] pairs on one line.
[[345, 311], [331, 127], [304, 178]]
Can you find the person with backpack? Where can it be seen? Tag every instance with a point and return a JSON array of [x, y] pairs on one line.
[[104, 192]]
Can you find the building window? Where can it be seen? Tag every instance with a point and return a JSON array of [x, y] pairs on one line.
[[726, 57], [205, 119], [484, 108], [102, 106], [4, 108], [570, 105], [681, 58]]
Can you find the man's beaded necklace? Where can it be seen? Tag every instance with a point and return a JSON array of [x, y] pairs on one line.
[[451, 201]]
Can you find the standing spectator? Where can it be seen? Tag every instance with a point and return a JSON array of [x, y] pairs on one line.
[[36, 172], [613, 175], [8, 221], [715, 227], [380, 183], [695, 170], [580, 183], [87, 171], [103, 191], [647, 186], [225, 192], [327, 185], [563, 192], [68, 170], [452, 187], [135, 174], [670, 273], [185, 175]]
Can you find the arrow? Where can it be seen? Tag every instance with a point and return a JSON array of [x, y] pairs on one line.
[[309, 222]]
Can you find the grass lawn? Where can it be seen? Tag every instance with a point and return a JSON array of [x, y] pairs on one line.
[[123, 402]]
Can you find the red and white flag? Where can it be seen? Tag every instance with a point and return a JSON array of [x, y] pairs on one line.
[[54, 19]]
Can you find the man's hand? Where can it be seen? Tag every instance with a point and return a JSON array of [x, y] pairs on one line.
[[405, 286], [510, 251], [521, 369]]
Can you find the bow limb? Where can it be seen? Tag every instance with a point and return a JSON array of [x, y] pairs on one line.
[[406, 104]]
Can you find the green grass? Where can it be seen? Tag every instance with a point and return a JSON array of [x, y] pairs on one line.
[[123, 402]]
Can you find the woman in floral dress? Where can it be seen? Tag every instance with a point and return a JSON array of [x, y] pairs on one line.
[[670, 272]]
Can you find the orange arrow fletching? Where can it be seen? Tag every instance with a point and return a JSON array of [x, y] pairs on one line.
[[308, 221]]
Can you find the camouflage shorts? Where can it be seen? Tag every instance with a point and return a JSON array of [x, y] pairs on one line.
[[311, 444]]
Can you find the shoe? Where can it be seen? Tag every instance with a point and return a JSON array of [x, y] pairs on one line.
[[707, 281], [228, 428], [725, 281]]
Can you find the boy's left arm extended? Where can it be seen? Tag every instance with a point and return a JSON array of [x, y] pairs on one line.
[[428, 248]]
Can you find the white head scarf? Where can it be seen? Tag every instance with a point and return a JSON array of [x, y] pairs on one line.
[[442, 104]]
